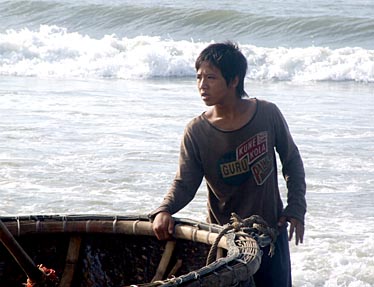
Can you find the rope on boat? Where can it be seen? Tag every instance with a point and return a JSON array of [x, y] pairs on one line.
[[242, 237], [254, 226]]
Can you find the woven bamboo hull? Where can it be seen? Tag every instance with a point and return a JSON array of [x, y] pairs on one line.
[[122, 251]]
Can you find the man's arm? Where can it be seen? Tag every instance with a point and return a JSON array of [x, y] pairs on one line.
[[163, 225], [185, 185], [296, 227], [294, 174]]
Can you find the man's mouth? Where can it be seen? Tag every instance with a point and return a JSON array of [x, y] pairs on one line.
[[204, 95]]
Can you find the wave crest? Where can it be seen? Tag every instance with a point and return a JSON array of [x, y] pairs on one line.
[[52, 51]]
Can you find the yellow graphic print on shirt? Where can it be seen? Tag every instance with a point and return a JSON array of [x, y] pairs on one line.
[[250, 158]]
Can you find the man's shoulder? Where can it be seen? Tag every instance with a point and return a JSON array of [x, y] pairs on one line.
[[197, 126], [266, 107], [265, 103], [196, 121]]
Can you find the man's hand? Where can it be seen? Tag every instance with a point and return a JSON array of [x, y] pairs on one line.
[[296, 227], [163, 226]]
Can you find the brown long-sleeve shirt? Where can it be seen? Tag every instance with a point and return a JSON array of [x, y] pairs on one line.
[[240, 169]]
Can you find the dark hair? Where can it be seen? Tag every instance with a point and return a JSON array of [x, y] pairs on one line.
[[229, 60]]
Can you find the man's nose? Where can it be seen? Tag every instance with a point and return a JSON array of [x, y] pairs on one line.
[[202, 84]]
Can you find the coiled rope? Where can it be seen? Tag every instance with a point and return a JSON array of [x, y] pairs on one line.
[[254, 226]]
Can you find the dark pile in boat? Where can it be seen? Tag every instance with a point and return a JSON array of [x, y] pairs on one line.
[[102, 251]]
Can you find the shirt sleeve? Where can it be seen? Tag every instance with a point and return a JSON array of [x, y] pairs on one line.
[[292, 169], [188, 177]]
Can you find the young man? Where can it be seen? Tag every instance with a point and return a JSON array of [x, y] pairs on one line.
[[233, 146]]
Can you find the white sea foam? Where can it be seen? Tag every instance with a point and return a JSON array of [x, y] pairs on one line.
[[55, 52]]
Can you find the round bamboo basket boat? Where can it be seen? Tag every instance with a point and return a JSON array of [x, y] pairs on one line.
[[98, 250]]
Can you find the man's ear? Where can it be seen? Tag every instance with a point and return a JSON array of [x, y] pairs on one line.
[[234, 83]]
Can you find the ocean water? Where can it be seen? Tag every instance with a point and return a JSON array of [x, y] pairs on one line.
[[94, 97]]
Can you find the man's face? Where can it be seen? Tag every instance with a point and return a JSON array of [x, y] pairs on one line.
[[212, 85]]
